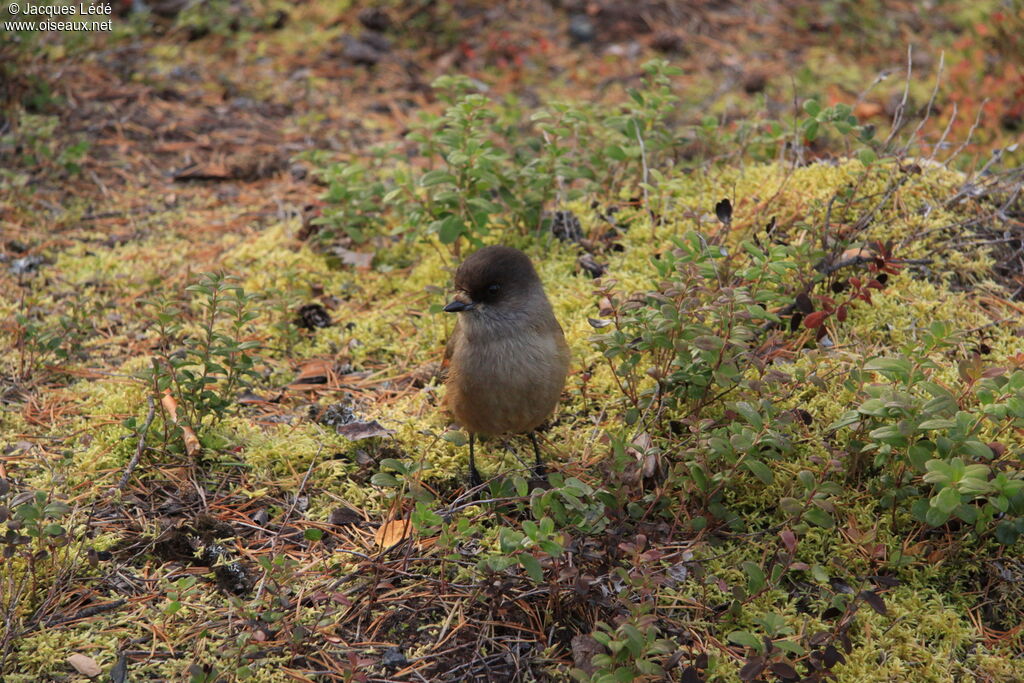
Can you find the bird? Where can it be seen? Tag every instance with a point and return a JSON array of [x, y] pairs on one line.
[[507, 356]]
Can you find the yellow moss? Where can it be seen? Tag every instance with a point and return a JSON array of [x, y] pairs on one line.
[[394, 333]]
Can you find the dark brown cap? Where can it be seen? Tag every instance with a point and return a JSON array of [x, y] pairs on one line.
[[492, 273]]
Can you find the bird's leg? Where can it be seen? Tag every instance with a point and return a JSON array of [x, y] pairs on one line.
[[538, 467], [474, 476]]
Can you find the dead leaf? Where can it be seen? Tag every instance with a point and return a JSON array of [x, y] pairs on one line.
[[355, 431], [393, 532], [584, 647], [359, 260], [867, 110], [249, 397], [192, 445], [85, 665], [170, 406], [863, 253], [313, 375]]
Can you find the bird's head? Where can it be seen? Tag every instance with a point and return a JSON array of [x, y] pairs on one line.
[[495, 279]]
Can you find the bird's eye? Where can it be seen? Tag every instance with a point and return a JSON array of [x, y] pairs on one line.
[[494, 289]]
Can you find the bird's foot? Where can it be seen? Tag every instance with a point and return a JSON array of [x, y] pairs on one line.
[[475, 480]]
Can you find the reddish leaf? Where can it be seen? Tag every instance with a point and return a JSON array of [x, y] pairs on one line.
[[841, 314], [752, 669], [833, 656], [785, 671], [814, 320], [690, 675], [874, 601], [788, 540]]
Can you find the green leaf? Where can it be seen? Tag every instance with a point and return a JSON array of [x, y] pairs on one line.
[[396, 465], [791, 506], [935, 517], [812, 107], [384, 479], [937, 423], [615, 153], [456, 437], [947, 500], [522, 486], [811, 131], [749, 414], [1007, 533], [760, 470], [450, 230], [977, 449], [313, 534], [746, 639], [532, 566], [755, 577], [436, 177], [819, 517]]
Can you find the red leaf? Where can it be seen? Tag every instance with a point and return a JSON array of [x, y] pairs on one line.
[[841, 314], [788, 540], [814, 320]]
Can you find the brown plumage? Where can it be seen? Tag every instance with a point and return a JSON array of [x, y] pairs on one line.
[[508, 356]]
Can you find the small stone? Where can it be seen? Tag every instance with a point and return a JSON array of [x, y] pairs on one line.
[[669, 42], [85, 665], [581, 28], [754, 82], [393, 659], [28, 264], [359, 52], [377, 41], [591, 266], [375, 18]]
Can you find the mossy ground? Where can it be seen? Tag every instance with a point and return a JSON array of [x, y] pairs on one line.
[[333, 604]]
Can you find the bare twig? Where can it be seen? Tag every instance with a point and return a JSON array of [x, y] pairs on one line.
[[942, 140], [970, 133], [141, 448], [928, 107], [897, 119]]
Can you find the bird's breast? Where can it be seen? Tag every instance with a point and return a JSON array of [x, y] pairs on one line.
[[507, 383]]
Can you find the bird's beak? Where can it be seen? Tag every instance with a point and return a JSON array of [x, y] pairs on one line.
[[459, 303]]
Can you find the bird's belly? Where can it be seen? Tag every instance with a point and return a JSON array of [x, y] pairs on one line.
[[511, 385]]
